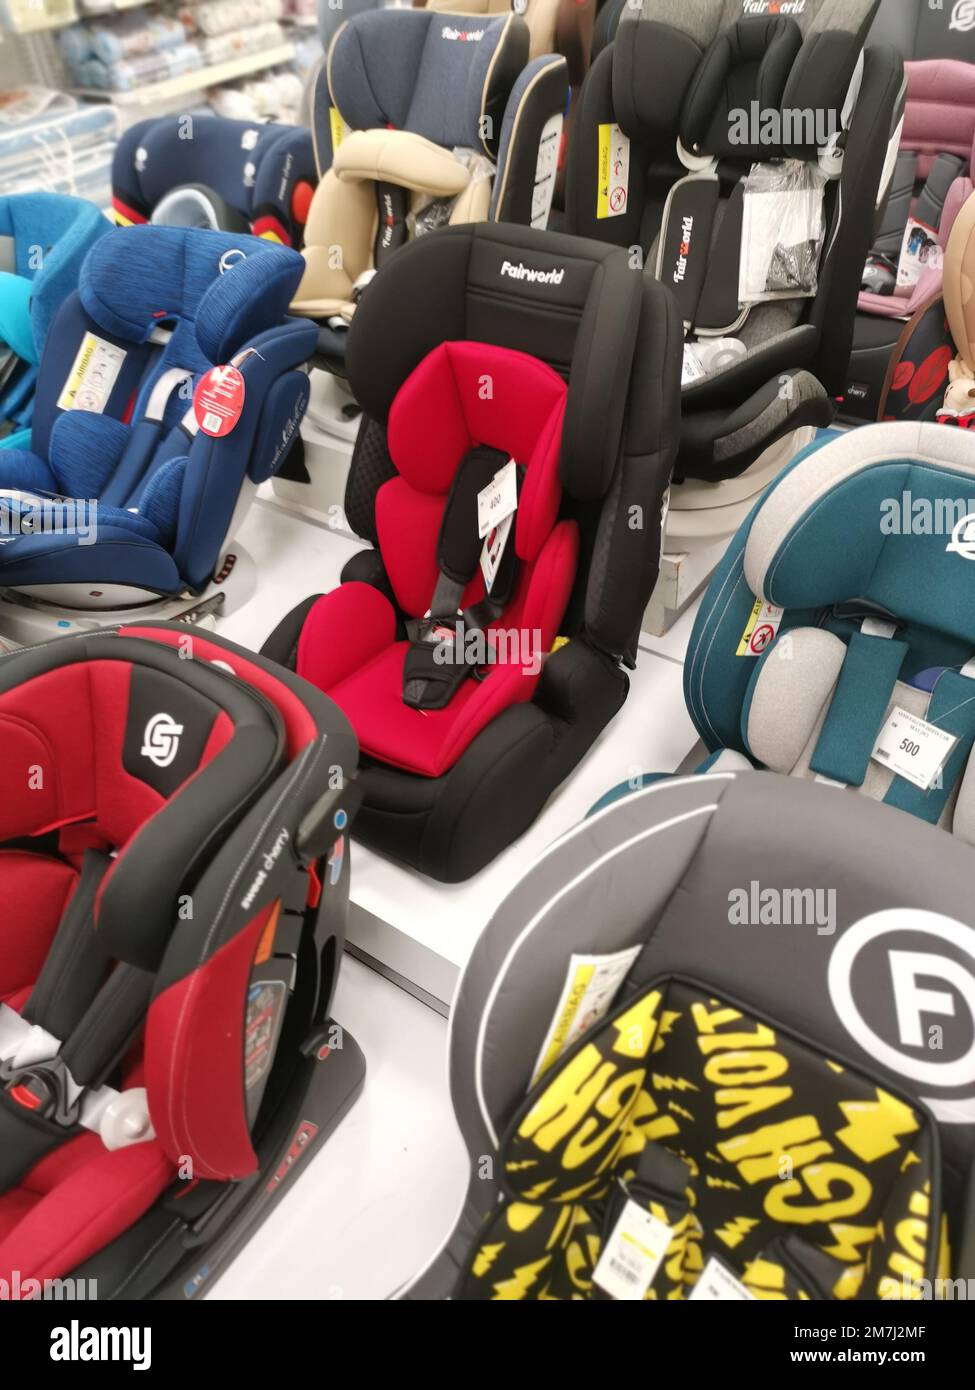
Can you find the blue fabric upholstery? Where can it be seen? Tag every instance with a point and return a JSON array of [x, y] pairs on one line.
[[412, 69], [164, 499]]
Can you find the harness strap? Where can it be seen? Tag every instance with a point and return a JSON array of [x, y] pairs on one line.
[[856, 713], [76, 963], [446, 644]]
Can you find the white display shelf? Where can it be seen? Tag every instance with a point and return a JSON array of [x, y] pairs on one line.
[[154, 93]]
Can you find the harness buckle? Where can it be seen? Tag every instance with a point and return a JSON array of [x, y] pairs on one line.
[[45, 1088]]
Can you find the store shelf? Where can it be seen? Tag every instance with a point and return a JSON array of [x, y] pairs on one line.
[[39, 23], [196, 81]]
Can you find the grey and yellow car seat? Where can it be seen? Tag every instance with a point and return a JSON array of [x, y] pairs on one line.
[[654, 1111]]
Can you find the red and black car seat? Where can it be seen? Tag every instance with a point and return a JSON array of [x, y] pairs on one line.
[[468, 709], [171, 853]]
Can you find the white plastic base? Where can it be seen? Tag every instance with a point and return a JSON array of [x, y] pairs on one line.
[[328, 432], [27, 618]]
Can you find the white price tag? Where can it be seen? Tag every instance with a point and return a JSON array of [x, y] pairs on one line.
[[632, 1254], [498, 500], [718, 1282], [912, 748], [492, 551]]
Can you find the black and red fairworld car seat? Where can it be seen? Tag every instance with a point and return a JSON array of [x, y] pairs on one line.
[[466, 717], [172, 856]]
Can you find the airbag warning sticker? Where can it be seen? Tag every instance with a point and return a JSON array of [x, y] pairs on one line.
[[613, 189], [93, 374]]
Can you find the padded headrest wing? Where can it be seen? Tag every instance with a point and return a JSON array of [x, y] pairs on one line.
[[564, 300], [232, 286], [433, 74], [661, 45], [876, 515], [959, 282], [940, 114]]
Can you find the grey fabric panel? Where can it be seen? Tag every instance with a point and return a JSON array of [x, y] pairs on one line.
[[896, 23], [518, 967], [869, 856], [963, 812], [699, 22], [792, 689], [729, 760], [702, 21], [841, 459], [769, 424], [449, 83], [8, 255], [768, 324]]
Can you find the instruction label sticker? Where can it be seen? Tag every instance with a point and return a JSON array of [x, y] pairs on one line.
[[218, 401], [717, 1283], [633, 1253], [613, 186], [762, 629], [93, 374], [498, 500], [591, 984], [912, 748], [546, 167]]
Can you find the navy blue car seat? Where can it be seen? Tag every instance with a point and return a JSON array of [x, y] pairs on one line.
[[232, 176], [44, 238], [156, 309], [842, 613]]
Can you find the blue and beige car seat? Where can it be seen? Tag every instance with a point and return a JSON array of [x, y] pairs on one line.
[[422, 119], [114, 425], [43, 240], [848, 593]]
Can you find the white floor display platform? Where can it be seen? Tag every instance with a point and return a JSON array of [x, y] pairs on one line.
[[376, 1202]]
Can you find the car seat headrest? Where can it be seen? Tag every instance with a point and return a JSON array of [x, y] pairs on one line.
[[847, 521], [707, 61], [959, 282], [569, 302], [749, 61], [940, 113], [436, 75], [136, 279], [466, 395]]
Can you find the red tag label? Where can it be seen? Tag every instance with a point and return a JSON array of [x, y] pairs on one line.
[[219, 400]]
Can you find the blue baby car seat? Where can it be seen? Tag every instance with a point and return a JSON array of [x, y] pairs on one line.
[[836, 642], [115, 433], [44, 238]]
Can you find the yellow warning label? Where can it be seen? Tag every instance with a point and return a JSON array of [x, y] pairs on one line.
[[93, 374], [566, 1017], [613, 172], [762, 629], [338, 127]]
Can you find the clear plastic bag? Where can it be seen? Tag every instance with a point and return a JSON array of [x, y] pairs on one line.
[[782, 231], [435, 212]]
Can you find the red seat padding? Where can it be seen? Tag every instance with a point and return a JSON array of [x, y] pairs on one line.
[[37, 889], [461, 396]]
